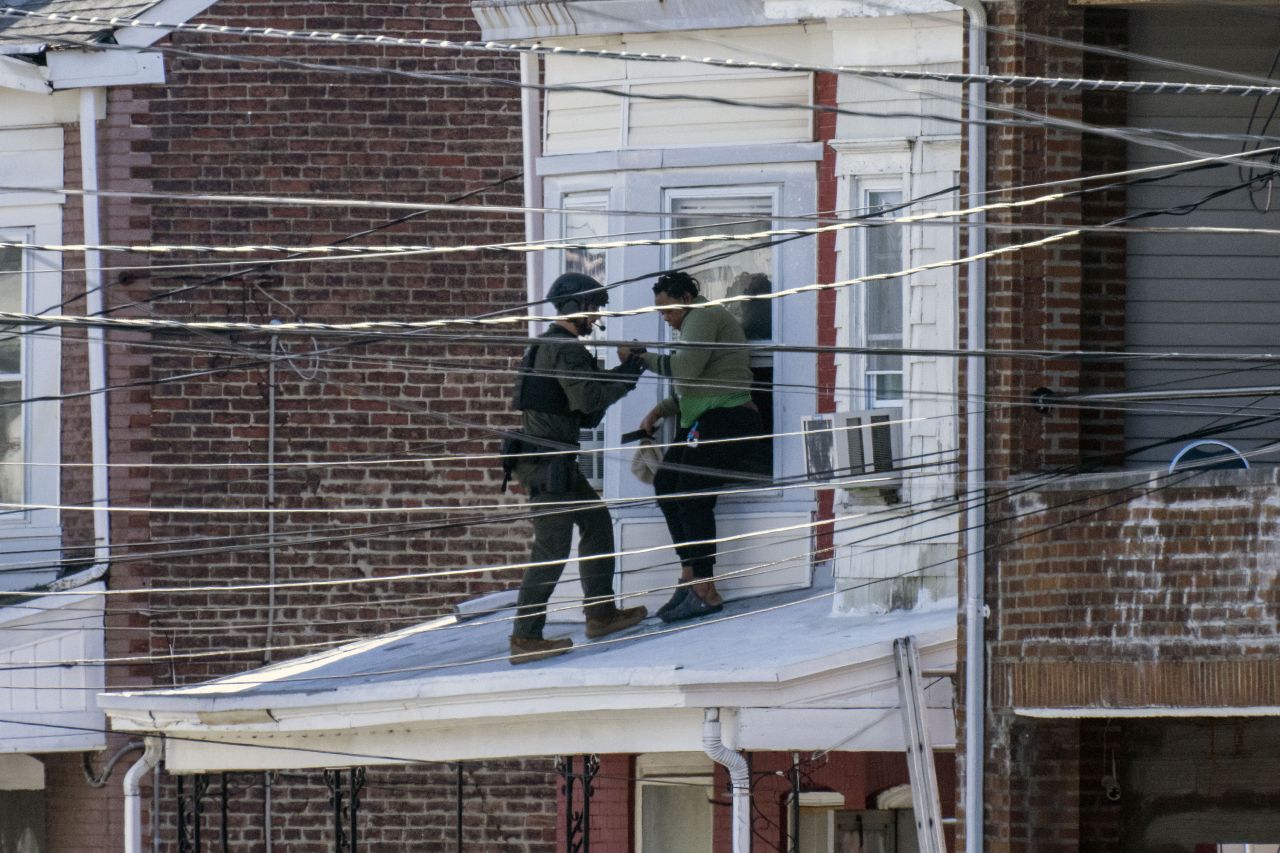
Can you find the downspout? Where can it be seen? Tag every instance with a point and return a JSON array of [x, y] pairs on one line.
[[97, 347], [739, 778], [132, 800], [975, 542], [531, 131]]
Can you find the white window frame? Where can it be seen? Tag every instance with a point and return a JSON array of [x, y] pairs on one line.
[[663, 769], [643, 187], [34, 535], [770, 189], [864, 376], [591, 440]]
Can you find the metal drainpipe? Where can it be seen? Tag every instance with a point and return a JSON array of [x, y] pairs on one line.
[[739, 778], [132, 799], [267, 780], [97, 348], [976, 435]]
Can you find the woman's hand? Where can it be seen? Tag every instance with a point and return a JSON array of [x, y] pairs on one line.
[[651, 420]]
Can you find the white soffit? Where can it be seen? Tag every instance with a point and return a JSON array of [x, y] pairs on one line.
[[502, 20], [633, 732]]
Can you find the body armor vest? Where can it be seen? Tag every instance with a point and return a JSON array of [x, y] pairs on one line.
[[537, 391]]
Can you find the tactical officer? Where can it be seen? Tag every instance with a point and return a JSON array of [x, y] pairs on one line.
[[560, 390]]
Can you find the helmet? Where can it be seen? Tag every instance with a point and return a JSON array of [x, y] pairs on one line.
[[575, 291]]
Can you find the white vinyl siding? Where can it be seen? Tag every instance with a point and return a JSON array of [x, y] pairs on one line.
[[584, 121], [1200, 293]]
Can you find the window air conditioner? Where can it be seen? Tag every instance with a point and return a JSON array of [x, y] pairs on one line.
[[855, 450]]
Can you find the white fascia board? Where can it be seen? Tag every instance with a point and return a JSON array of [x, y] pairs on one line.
[[23, 76], [791, 10], [36, 609], [166, 12], [1149, 712], [503, 20], [79, 69], [670, 730]]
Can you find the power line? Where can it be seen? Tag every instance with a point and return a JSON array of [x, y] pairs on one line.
[[330, 37]]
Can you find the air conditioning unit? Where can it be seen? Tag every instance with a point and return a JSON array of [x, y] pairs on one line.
[[854, 450]]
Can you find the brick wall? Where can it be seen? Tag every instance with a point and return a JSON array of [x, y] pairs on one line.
[[859, 776], [1179, 607], [1068, 295], [240, 127]]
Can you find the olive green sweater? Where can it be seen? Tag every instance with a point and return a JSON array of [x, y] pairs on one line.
[[705, 377]]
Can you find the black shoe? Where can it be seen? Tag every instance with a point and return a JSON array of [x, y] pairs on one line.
[[677, 596], [691, 607]]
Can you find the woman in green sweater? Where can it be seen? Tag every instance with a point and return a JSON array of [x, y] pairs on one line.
[[713, 401]]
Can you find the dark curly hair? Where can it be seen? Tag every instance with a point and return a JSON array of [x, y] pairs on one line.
[[675, 284]]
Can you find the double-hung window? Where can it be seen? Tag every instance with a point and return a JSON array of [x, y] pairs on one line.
[[12, 422], [729, 267], [880, 300], [30, 432]]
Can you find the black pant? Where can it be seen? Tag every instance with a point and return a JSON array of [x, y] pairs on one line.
[[689, 473]]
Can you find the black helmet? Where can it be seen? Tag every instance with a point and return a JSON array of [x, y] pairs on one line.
[[575, 291]]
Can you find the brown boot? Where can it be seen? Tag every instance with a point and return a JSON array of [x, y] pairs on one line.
[[530, 649], [618, 620]]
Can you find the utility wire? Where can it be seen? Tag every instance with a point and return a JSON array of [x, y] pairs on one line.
[[330, 37]]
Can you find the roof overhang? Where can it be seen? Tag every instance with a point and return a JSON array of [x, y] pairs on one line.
[[846, 697], [540, 19], [76, 68]]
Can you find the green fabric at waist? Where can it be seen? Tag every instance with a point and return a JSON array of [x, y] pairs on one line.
[[692, 408]]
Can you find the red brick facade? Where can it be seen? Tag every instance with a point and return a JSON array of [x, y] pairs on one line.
[[1106, 593], [242, 127]]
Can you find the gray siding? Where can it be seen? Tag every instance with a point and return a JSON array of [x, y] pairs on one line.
[[1200, 293]]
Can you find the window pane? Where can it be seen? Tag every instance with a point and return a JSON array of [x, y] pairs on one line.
[[10, 300], [675, 817], [882, 301], [748, 272], [580, 225], [10, 443]]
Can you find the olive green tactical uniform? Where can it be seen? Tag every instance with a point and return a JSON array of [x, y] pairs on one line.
[[556, 482]]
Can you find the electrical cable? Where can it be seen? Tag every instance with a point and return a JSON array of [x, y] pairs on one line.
[[329, 37]]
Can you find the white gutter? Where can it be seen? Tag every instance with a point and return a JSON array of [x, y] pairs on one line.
[[97, 348], [975, 541], [132, 800], [739, 778], [531, 130]]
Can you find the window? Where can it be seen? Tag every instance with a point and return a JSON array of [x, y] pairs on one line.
[[876, 831], [12, 281], [580, 223], [743, 272], [880, 311], [732, 267], [673, 796]]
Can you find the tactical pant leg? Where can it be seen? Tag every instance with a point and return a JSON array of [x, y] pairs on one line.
[[595, 538], [552, 539]]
